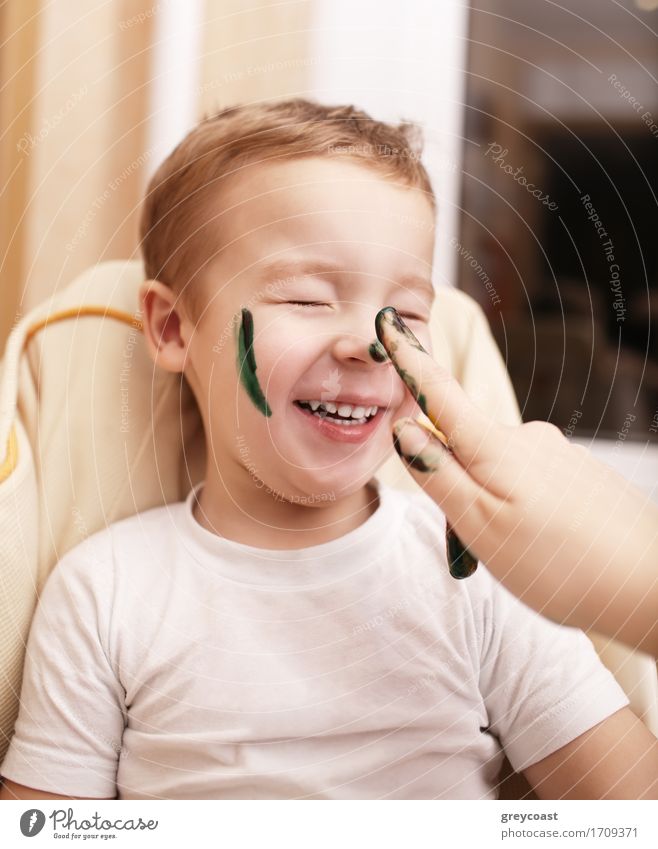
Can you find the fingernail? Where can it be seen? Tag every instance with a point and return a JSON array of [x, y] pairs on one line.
[[391, 316]]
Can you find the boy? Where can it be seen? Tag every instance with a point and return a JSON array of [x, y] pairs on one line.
[[290, 630]]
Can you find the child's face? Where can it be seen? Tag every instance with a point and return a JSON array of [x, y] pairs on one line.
[[380, 236]]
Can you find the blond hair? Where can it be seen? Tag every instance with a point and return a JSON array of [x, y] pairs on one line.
[[174, 242]]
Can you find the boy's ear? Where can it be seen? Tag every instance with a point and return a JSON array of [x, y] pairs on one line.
[[165, 328]]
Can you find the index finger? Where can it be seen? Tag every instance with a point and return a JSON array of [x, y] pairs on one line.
[[436, 391]]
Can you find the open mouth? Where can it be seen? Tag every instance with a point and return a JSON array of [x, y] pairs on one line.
[[346, 415]]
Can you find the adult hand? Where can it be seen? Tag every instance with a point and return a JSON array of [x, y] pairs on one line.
[[563, 532]]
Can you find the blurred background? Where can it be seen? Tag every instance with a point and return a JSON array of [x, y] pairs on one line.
[[541, 137]]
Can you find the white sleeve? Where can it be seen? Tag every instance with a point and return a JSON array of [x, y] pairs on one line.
[[70, 724], [543, 684]]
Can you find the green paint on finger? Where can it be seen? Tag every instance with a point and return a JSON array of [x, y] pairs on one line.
[[413, 387], [423, 403], [461, 562], [391, 317], [246, 362], [415, 461]]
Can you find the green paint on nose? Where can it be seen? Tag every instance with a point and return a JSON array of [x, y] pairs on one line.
[[246, 361], [377, 351]]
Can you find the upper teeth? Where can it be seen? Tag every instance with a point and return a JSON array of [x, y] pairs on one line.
[[342, 409]]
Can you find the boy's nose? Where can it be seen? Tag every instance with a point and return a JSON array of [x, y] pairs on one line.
[[351, 346], [356, 335]]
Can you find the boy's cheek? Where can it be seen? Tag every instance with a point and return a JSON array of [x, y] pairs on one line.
[[408, 407]]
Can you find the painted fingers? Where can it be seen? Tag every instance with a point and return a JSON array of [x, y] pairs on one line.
[[436, 391], [424, 379]]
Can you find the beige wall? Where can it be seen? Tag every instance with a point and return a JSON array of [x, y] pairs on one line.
[[75, 160]]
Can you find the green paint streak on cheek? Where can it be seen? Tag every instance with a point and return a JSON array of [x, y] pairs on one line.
[[246, 362]]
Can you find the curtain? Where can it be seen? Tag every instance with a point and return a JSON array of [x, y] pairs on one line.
[[88, 111]]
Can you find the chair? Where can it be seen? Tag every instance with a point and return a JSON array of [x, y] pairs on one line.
[[93, 434]]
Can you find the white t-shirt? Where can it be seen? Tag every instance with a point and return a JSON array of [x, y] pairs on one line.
[[167, 662]]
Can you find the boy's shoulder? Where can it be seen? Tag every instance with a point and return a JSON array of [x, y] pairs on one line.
[[125, 541], [163, 518], [139, 526]]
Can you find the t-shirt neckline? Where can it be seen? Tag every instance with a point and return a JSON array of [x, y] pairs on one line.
[[325, 562]]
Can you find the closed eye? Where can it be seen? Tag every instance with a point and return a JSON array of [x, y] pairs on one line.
[[409, 316]]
